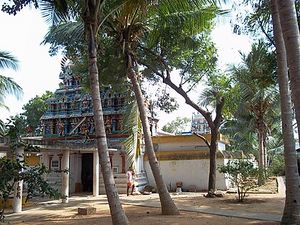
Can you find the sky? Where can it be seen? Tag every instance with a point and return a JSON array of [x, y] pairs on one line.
[[22, 34]]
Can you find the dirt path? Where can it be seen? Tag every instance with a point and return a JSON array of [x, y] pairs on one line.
[[53, 212]]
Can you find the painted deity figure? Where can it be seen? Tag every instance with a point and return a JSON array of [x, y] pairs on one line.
[[108, 125], [61, 128]]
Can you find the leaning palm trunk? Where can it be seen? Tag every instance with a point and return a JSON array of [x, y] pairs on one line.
[[291, 214], [168, 206], [117, 213], [290, 31]]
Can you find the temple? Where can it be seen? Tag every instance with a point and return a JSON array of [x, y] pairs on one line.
[[67, 139], [67, 142]]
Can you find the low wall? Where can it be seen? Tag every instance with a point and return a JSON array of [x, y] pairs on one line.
[[189, 172]]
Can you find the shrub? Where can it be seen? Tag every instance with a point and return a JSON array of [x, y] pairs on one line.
[[13, 171], [243, 174], [277, 166]]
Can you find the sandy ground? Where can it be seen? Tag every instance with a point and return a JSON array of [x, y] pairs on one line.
[[54, 212]]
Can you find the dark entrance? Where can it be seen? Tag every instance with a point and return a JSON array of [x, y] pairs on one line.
[[87, 172]]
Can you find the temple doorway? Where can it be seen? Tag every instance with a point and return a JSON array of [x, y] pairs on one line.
[[87, 172]]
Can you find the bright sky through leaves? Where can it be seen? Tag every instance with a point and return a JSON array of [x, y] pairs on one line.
[[22, 34]]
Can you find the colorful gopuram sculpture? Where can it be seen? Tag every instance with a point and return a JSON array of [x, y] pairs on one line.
[[70, 113]]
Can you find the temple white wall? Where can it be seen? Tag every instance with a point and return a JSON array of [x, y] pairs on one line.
[[75, 172], [189, 172], [117, 162]]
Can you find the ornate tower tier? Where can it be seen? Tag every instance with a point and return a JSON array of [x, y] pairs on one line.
[[69, 117]]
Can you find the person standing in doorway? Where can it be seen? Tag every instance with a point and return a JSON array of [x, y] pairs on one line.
[[130, 181]]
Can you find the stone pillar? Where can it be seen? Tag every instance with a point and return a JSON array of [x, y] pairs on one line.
[[95, 173], [50, 162], [18, 187], [65, 176], [60, 160]]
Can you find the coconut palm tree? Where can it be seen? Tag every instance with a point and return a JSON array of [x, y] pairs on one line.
[[90, 13], [292, 208], [7, 85], [119, 21], [128, 26], [290, 31], [255, 78], [116, 24]]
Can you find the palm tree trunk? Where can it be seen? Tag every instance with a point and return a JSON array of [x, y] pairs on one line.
[[290, 31], [261, 160], [291, 214], [168, 206], [117, 213]]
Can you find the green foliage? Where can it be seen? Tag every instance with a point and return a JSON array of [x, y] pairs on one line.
[[166, 103], [243, 174], [256, 105], [34, 110], [220, 86], [36, 183], [8, 61], [132, 126], [13, 130], [9, 174], [178, 125], [7, 85], [20, 123], [15, 170], [277, 166], [192, 56]]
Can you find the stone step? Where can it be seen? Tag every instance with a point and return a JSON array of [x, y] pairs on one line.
[[120, 181]]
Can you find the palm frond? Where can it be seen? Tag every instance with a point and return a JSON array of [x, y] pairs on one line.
[[133, 127], [55, 11], [7, 61], [65, 32], [8, 86]]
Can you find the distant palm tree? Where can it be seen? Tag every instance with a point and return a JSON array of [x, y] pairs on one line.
[[255, 76], [7, 85]]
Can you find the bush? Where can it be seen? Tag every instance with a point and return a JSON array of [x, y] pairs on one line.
[[13, 171], [276, 167], [243, 174]]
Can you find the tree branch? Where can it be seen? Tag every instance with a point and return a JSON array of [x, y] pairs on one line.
[[167, 80], [265, 33], [203, 138], [219, 107]]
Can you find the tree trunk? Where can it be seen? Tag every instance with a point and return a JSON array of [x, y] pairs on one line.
[[212, 163], [261, 154], [168, 206], [290, 31], [291, 214], [18, 187], [117, 213], [214, 127]]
